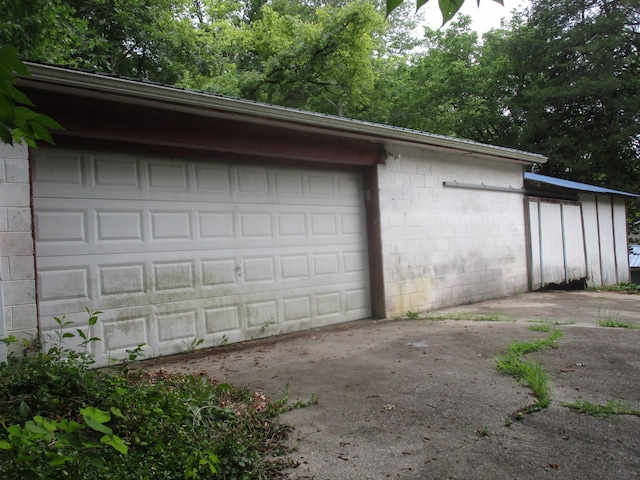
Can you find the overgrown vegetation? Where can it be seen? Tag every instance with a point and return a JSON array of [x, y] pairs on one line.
[[548, 321], [540, 327], [60, 419], [412, 315], [623, 287], [530, 373], [612, 407], [612, 323]]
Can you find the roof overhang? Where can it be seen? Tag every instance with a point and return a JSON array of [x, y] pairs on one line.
[[101, 89], [537, 181]]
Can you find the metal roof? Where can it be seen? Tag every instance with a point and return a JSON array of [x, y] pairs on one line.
[[634, 256], [581, 187], [134, 91]]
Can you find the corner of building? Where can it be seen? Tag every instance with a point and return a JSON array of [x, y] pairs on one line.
[[18, 312]]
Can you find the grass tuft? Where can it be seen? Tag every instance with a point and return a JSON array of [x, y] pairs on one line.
[[623, 287], [469, 317], [541, 327], [612, 407], [556, 322], [611, 323], [529, 372]]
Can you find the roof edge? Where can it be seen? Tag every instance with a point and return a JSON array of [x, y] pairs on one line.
[[94, 84], [577, 186]]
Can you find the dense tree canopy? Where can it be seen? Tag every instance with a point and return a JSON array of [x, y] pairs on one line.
[[562, 79], [580, 98]]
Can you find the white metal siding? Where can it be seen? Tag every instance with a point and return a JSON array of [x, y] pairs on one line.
[[173, 250], [556, 242], [607, 245], [606, 239], [551, 243], [591, 239], [621, 239], [534, 245], [575, 265]]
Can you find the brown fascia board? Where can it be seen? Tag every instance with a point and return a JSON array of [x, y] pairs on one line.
[[138, 92]]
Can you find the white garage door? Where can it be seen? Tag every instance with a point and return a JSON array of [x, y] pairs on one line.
[[175, 251]]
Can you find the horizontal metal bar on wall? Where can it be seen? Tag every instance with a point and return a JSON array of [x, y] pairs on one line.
[[482, 186]]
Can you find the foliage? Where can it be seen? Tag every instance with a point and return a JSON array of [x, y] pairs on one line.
[[529, 372], [322, 63], [623, 287], [578, 97], [60, 419], [448, 8], [560, 79], [17, 121], [46, 30], [612, 407], [611, 323]]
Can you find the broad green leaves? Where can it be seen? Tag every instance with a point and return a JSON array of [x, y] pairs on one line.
[[17, 121], [448, 8]]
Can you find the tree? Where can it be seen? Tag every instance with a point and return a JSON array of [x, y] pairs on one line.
[[455, 86], [579, 96], [321, 61], [17, 121], [46, 30]]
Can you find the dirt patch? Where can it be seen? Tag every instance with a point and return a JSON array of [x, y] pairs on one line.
[[417, 399]]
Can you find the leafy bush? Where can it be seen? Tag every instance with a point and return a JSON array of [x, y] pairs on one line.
[[60, 419]]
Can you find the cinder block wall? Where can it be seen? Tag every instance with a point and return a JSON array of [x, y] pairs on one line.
[[445, 246], [17, 267]]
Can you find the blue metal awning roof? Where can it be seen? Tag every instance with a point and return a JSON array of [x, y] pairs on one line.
[[581, 187]]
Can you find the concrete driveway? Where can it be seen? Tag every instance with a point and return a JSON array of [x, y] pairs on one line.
[[422, 399]]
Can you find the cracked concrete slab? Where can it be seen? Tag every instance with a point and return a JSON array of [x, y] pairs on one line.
[[419, 399]]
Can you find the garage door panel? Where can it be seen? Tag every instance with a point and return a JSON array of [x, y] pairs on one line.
[[221, 319], [119, 226], [71, 283], [175, 250], [176, 326], [122, 329], [63, 226], [61, 167], [115, 171]]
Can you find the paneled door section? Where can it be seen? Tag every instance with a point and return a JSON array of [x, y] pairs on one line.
[[174, 251]]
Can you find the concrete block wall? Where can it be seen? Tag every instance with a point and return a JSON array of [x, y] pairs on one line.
[[17, 264], [445, 246]]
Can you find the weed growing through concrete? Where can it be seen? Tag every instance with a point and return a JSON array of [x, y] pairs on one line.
[[556, 322], [469, 317], [529, 372], [541, 327], [617, 324], [612, 407], [604, 316], [629, 288]]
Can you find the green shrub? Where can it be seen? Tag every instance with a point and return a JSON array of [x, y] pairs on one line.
[[61, 419]]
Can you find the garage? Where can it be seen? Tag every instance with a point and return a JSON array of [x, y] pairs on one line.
[[191, 220], [180, 252]]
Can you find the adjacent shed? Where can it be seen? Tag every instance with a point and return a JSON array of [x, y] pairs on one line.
[[576, 232]]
